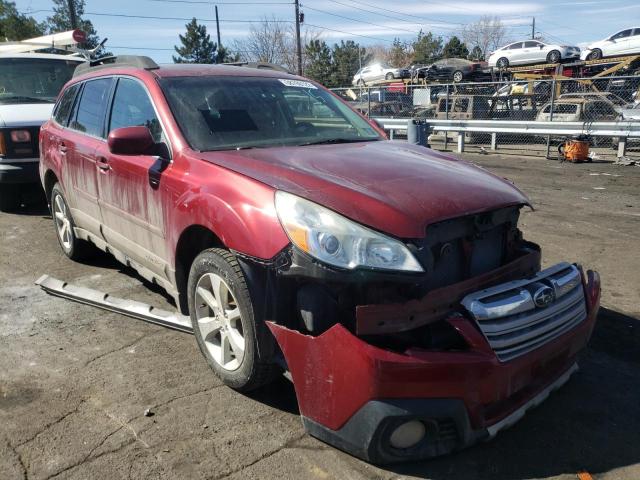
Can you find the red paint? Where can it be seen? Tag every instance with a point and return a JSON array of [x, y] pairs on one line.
[[336, 373]]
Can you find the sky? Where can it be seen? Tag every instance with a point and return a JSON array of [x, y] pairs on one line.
[[368, 22]]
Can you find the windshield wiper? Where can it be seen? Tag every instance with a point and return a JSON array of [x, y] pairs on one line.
[[328, 141], [25, 99]]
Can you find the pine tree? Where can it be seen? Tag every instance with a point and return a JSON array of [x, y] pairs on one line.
[[61, 21], [427, 48], [476, 53], [14, 26], [197, 46], [319, 62], [347, 59], [455, 49]]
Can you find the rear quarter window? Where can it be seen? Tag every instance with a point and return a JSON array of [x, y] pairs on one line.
[[65, 105], [91, 110]]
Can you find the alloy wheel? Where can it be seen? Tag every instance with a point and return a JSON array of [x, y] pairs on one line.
[[219, 321]]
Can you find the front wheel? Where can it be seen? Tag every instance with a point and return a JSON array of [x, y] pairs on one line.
[[225, 324], [389, 76], [458, 76], [502, 63], [554, 56]]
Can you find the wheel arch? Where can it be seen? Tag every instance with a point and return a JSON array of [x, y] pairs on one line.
[[193, 240], [50, 179]]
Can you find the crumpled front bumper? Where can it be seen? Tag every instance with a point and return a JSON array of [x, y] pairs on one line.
[[353, 395]]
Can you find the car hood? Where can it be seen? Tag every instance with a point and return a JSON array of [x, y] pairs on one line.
[[24, 114], [393, 187]]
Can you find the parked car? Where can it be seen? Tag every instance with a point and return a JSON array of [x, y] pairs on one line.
[[396, 272], [457, 70], [29, 85], [379, 71], [531, 52], [624, 42], [578, 110]]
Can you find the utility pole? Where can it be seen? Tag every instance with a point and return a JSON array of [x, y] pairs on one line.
[[218, 29], [72, 14], [533, 29], [298, 46]]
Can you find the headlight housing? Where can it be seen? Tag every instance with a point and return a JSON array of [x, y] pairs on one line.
[[336, 240]]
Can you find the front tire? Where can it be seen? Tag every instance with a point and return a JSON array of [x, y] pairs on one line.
[[554, 56], [389, 76], [502, 62], [458, 76], [224, 321], [72, 246]]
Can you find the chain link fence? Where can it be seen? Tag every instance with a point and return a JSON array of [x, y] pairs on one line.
[[557, 100]]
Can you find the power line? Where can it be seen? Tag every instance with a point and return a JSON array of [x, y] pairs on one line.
[[359, 21], [203, 2], [349, 33], [396, 12]]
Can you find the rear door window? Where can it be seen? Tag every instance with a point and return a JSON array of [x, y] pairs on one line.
[[91, 110], [65, 105]]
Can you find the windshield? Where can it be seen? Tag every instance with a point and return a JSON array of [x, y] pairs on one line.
[[225, 113], [33, 80]]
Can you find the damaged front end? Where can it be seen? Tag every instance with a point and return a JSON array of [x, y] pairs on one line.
[[398, 366]]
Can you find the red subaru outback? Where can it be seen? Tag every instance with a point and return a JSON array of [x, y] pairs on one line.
[[390, 280]]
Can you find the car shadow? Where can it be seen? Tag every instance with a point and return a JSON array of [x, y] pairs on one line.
[[590, 424]]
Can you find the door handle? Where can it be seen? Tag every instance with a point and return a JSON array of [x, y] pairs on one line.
[[103, 164], [62, 148]]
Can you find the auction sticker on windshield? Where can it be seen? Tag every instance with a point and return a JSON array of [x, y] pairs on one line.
[[297, 83]]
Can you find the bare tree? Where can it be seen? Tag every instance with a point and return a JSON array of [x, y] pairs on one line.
[[487, 34], [272, 40]]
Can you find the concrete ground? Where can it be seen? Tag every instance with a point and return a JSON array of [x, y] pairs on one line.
[[75, 381]]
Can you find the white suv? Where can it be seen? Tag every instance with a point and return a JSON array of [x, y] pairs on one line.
[[531, 51], [624, 42]]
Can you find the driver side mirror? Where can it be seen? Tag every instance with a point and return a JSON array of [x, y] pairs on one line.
[[541, 47], [131, 141]]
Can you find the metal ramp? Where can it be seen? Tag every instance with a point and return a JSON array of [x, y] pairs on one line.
[[105, 301]]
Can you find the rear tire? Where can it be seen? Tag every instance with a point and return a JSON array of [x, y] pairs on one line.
[[389, 76], [554, 56], [223, 314], [72, 246], [502, 62], [457, 76], [596, 54], [10, 198]]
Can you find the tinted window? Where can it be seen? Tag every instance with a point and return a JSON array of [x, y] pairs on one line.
[[65, 105], [636, 31], [623, 34], [515, 46], [531, 44], [93, 104], [132, 108]]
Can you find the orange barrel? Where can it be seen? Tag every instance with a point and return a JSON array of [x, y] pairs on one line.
[[575, 150]]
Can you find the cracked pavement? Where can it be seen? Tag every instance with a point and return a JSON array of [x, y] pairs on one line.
[[75, 381]]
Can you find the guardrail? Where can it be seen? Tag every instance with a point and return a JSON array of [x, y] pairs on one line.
[[621, 129]]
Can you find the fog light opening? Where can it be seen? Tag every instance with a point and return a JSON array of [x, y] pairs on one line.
[[407, 434]]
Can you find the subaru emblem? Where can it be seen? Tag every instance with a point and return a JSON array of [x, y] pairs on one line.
[[543, 296]]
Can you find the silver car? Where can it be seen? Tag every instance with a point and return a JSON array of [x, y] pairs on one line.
[[378, 71], [531, 52]]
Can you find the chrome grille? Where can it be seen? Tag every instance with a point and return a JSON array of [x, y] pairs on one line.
[[518, 317]]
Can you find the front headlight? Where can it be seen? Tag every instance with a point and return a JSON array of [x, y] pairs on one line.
[[334, 239]]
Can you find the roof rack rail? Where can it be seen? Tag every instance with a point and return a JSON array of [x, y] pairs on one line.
[[138, 61], [259, 65]]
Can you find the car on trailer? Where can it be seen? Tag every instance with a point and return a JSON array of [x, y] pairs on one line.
[[390, 280], [29, 85], [624, 42], [378, 72], [530, 52], [455, 70]]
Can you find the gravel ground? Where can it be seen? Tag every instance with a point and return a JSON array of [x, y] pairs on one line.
[[75, 381]]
